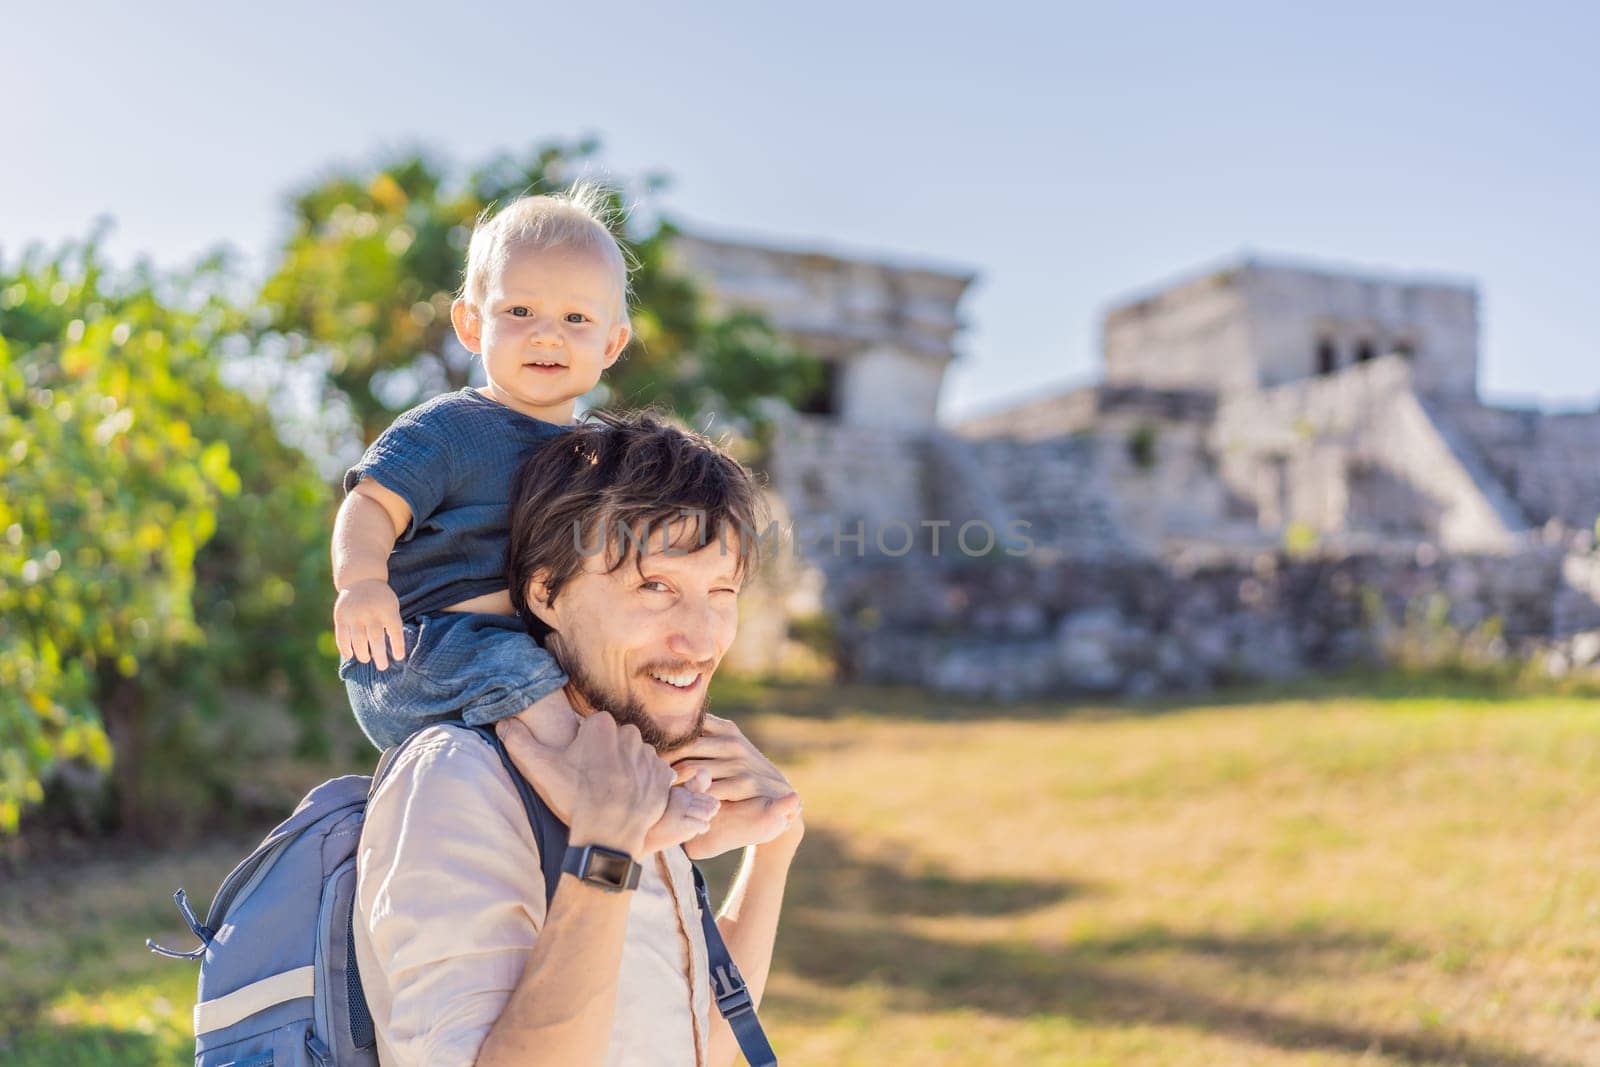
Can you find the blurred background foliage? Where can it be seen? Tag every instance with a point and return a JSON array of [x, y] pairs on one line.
[[162, 547], [365, 279], [164, 591]]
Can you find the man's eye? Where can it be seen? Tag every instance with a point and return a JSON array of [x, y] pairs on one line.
[[659, 586]]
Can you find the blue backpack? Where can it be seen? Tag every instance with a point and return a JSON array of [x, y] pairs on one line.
[[279, 985]]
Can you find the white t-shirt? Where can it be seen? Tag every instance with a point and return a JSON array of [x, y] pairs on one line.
[[450, 899]]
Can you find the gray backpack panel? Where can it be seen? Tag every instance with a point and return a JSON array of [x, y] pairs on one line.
[[278, 983]]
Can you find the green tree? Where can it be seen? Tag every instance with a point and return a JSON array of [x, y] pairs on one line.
[[375, 255], [160, 548]]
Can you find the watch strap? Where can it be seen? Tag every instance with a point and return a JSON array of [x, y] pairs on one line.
[[608, 868]]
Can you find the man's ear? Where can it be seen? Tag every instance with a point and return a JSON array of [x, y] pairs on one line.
[[541, 602], [469, 325]]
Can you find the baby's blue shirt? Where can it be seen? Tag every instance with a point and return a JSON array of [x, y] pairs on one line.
[[452, 459]]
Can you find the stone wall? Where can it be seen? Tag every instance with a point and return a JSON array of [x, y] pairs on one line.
[[1087, 407], [1549, 463], [828, 298], [1137, 460], [1059, 488], [889, 328], [833, 476], [1363, 446], [1048, 496], [887, 386], [783, 589], [1193, 335], [1012, 629], [1057, 415], [1294, 311], [1258, 324], [1362, 458]]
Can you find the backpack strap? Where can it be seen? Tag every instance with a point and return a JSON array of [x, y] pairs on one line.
[[727, 985], [549, 832]]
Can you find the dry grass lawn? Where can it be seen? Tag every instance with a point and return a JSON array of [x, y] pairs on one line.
[[1337, 874]]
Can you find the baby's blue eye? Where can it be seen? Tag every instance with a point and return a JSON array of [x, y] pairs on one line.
[[520, 312], [576, 317]]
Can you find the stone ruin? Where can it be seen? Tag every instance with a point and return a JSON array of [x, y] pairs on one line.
[[1283, 468]]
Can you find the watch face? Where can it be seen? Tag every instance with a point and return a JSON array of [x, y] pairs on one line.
[[608, 867]]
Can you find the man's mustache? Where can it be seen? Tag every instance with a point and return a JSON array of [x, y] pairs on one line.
[[678, 666]]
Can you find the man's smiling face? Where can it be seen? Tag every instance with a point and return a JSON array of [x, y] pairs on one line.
[[643, 640]]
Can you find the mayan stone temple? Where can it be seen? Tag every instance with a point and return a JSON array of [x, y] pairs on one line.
[[1281, 468]]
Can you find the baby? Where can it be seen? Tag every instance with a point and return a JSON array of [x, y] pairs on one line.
[[419, 545]]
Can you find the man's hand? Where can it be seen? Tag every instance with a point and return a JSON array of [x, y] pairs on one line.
[[758, 803], [538, 736], [364, 614]]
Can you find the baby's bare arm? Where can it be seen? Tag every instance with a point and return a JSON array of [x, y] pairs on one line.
[[369, 522]]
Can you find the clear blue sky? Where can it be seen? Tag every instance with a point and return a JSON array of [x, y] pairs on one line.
[[1067, 155]]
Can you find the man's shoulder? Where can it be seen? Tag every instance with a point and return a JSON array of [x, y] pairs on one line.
[[444, 759]]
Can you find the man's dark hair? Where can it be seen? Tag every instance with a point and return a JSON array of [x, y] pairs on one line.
[[613, 477]]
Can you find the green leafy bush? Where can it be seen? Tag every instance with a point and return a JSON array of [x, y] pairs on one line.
[[158, 544]]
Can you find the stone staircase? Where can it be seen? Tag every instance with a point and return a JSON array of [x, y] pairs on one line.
[[832, 475], [1057, 486]]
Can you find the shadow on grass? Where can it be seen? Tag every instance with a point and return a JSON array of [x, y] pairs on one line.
[[843, 701], [855, 917], [85, 1046], [837, 878], [841, 930]]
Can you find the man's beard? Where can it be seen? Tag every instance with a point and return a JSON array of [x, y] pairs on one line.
[[628, 710]]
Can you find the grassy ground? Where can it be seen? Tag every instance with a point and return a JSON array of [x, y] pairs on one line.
[[1339, 874]]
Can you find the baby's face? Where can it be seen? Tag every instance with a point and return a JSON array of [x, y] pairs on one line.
[[548, 327]]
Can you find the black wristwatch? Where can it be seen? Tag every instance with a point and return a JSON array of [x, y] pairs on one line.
[[607, 868]]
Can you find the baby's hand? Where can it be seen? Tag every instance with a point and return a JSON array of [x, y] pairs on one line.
[[362, 616], [690, 809], [548, 724]]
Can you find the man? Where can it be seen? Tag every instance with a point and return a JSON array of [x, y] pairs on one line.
[[630, 540]]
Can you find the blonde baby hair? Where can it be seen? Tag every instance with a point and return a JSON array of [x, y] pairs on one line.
[[577, 218]]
